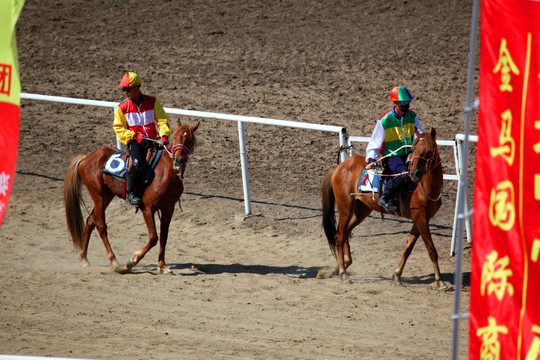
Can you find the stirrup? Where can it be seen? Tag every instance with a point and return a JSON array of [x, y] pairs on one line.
[[388, 205], [133, 199]]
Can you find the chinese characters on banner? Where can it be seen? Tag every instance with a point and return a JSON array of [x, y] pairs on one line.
[[10, 95], [505, 275]]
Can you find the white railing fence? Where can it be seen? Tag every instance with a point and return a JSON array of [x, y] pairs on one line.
[[343, 138], [345, 141]]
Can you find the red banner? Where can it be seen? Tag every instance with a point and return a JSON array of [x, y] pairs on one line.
[[10, 95], [505, 274]]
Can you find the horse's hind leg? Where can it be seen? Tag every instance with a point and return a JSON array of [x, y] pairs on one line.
[[360, 213], [343, 249], [407, 249], [97, 220], [90, 226]]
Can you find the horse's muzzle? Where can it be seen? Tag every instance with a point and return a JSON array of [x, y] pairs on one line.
[[416, 175], [178, 162]]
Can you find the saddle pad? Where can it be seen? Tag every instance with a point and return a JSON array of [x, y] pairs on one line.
[[115, 165], [368, 182]]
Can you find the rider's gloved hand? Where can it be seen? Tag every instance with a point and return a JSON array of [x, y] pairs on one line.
[[165, 140], [139, 138]]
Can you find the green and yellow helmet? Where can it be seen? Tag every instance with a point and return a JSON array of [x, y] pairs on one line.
[[400, 93]]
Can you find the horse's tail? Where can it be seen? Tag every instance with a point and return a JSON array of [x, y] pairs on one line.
[[328, 209], [72, 201]]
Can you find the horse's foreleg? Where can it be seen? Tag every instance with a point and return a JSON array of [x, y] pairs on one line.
[[407, 249], [166, 216], [148, 215], [430, 246]]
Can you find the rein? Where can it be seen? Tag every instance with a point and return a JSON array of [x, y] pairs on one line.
[[432, 163], [379, 160], [171, 152], [175, 148]]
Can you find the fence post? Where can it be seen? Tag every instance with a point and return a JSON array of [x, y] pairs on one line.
[[344, 145], [244, 163]]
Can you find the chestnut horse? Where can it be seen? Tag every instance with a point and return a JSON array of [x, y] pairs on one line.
[[339, 189], [162, 194]]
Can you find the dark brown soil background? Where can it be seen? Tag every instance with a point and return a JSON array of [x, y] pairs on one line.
[[243, 289]]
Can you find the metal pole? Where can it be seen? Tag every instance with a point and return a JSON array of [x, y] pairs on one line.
[[243, 161], [344, 144], [458, 276]]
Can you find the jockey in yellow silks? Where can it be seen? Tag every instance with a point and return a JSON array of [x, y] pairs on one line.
[[138, 118]]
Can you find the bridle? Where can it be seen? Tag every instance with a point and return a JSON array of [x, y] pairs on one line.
[[183, 148], [184, 158], [431, 163]]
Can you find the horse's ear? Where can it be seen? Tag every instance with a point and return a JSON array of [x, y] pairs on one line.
[[179, 123], [433, 134], [196, 125]]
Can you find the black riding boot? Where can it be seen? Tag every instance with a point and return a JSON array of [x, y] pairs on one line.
[[130, 196], [391, 189]]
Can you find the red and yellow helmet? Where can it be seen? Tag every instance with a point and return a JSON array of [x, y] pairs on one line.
[[400, 93], [130, 79]]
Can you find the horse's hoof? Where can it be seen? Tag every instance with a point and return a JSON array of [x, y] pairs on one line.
[[165, 271], [397, 281], [117, 268], [121, 270], [445, 288], [130, 264]]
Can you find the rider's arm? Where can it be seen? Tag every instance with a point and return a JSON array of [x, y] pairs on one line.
[[162, 120], [417, 125], [121, 128], [376, 141]]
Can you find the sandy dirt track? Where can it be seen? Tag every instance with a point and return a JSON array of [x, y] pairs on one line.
[[243, 289]]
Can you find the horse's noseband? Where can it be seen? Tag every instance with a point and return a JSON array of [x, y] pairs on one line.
[[177, 162]]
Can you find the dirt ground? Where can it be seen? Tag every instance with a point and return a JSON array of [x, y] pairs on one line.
[[245, 288]]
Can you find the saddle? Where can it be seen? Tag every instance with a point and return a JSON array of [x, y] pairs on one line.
[[117, 165], [372, 183]]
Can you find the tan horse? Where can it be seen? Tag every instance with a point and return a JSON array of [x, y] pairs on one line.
[[162, 194], [339, 189]]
